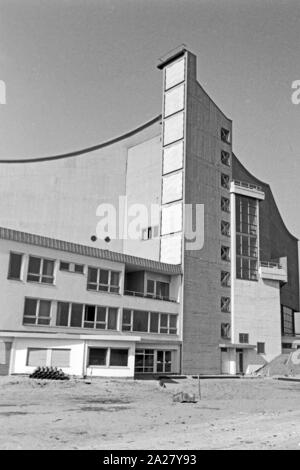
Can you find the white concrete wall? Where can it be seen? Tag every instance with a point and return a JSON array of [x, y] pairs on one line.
[[143, 186], [257, 312], [68, 287], [78, 356]]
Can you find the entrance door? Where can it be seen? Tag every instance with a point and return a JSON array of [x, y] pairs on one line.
[[164, 361], [5, 349], [239, 361]]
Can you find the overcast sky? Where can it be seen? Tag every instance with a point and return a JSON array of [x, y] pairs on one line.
[[81, 71]]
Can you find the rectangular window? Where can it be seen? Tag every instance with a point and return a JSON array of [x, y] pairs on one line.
[[225, 204], [97, 357], [158, 289], [225, 135], [103, 318], [225, 228], [260, 348], [150, 232], [164, 361], [60, 357], [149, 322], [15, 266], [225, 181], [103, 280], [225, 158], [118, 357], [71, 267], [36, 357], [40, 270], [246, 238], [144, 360], [225, 279], [225, 304], [36, 312], [287, 321], [225, 330], [69, 314], [225, 253], [244, 338]]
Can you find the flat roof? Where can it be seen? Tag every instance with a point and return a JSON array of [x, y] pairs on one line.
[[84, 250]]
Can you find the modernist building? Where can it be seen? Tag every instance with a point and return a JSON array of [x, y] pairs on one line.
[[224, 302]]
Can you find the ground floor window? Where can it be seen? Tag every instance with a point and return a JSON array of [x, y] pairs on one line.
[[41, 357], [36, 357], [151, 360], [144, 360], [108, 357]]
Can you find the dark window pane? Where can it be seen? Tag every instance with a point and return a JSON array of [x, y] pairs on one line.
[[44, 308], [90, 313], [64, 266], [112, 318], [150, 287], [126, 316], [103, 276], [78, 268], [101, 314], [62, 314], [15, 264], [162, 289], [76, 315], [154, 322], [173, 321], [92, 275], [114, 278], [140, 320], [97, 357], [48, 267], [119, 357], [30, 307], [29, 320], [164, 320], [34, 265]]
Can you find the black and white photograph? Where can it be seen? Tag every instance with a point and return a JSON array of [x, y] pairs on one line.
[[149, 228]]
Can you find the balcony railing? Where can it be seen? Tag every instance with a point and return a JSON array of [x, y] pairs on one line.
[[270, 264], [149, 296], [243, 184]]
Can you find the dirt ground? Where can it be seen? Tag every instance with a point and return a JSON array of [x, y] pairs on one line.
[[260, 413]]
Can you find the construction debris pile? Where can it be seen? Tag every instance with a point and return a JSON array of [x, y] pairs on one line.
[[50, 373]]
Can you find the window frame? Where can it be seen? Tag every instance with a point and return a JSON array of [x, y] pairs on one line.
[[225, 158], [170, 329], [225, 135], [111, 288], [37, 309], [9, 276], [40, 275], [244, 338]]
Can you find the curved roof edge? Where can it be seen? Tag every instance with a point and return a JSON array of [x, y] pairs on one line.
[[213, 102], [87, 149], [262, 183]]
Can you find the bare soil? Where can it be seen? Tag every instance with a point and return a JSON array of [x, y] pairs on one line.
[[260, 413]]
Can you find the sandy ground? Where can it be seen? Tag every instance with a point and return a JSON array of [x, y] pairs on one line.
[[125, 414]]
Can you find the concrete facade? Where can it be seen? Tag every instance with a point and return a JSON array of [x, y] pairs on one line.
[[182, 157]]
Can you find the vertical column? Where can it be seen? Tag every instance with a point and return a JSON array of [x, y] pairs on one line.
[[233, 261], [173, 148]]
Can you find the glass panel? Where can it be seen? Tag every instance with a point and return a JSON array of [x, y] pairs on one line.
[[154, 322], [114, 278], [44, 308], [112, 318], [162, 289], [119, 357], [90, 313], [163, 320], [126, 316], [140, 321], [101, 314], [48, 267], [173, 321], [30, 307], [150, 287], [76, 315], [64, 266], [62, 314], [15, 263], [78, 268], [34, 265], [92, 275], [97, 357], [103, 277]]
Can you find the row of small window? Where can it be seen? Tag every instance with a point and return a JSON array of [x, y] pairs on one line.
[[41, 270], [38, 312]]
